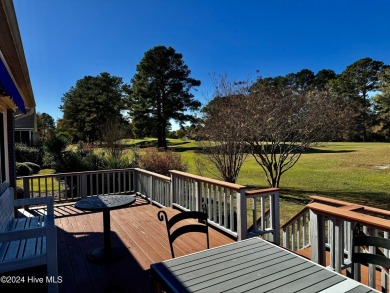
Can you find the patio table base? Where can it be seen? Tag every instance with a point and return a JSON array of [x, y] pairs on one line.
[[100, 255]]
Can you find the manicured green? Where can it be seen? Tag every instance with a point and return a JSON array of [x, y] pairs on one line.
[[355, 172], [41, 184]]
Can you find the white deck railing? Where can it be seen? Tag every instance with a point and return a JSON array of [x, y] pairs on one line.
[[226, 202], [155, 187], [327, 225], [75, 185], [296, 232], [265, 202]]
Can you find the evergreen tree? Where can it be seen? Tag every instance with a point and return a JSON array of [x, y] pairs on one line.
[[160, 91], [46, 126], [382, 103], [87, 106]]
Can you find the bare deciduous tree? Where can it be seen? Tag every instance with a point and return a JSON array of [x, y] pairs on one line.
[[112, 133], [282, 124], [275, 124], [221, 137]]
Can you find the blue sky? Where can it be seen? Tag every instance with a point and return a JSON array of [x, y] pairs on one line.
[[67, 40]]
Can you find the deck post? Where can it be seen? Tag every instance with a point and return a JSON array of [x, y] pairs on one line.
[[371, 268], [317, 238], [173, 190], [133, 181], [198, 195], [331, 242], [338, 244], [84, 185], [26, 188], [241, 215], [274, 207], [150, 188]]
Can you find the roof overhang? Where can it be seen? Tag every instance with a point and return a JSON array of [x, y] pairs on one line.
[[8, 86], [14, 74]]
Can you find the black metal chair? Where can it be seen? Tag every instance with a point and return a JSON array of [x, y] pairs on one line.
[[201, 227], [362, 242]]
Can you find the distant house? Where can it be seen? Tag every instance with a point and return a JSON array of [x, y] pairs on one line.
[[15, 90], [26, 130]]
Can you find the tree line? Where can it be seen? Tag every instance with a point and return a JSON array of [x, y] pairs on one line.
[[274, 119], [363, 85], [161, 91]]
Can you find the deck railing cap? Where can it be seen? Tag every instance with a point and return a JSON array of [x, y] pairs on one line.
[[352, 216], [233, 186], [261, 191]]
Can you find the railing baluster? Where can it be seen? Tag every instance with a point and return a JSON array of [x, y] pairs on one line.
[[215, 203], [46, 186], [59, 188], [231, 206], [254, 203], [304, 236], [293, 236], [385, 276], [298, 234], [262, 211], [371, 268], [225, 207]]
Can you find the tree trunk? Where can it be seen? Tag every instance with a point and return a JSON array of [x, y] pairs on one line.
[[161, 135]]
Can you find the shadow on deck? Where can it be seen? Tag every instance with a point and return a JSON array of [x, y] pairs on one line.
[[136, 228]]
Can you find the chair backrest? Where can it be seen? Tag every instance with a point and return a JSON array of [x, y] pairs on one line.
[[372, 256], [201, 227]]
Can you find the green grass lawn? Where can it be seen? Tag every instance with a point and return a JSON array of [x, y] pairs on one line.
[[355, 172], [41, 184]]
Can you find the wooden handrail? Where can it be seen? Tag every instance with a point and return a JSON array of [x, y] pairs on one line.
[[76, 173], [153, 174], [317, 198], [233, 186], [352, 216], [382, 212], [251, 193], [377, 211]]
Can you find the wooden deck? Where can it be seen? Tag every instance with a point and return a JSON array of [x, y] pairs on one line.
[[136, 228]]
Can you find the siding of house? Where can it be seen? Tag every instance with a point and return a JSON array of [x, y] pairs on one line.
[[25, 129]]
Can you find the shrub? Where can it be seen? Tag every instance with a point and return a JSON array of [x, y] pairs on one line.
[[35, 167], [161, 161], [48, 160], [117, 163], [24, 153], [23, 170], [79, 161]]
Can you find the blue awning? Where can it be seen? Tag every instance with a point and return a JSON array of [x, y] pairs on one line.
[[8, 85]]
